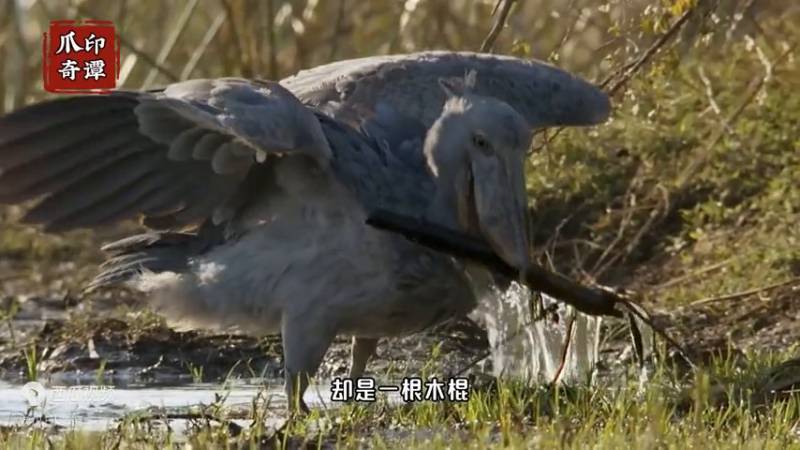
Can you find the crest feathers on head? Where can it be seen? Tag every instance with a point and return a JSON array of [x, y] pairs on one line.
[[458, 86]]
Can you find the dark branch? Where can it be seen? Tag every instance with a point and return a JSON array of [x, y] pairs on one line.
[[499, 23], [629, 70], [585, 299]]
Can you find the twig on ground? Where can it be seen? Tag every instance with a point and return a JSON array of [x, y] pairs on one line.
[[565, 350], [598, 267], [658, 212], [690, 275], [642, 315], [747, 293], [636, 339]]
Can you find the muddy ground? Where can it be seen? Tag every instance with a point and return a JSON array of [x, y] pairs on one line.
[[111, 336], [130, 349]]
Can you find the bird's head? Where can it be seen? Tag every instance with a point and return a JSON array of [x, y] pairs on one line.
[[476, 151]]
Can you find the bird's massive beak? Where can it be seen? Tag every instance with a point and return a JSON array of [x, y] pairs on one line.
[[500, 205]]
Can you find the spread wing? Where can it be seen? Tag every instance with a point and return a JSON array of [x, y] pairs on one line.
[[353, 90], [175, 156], [381, 166]]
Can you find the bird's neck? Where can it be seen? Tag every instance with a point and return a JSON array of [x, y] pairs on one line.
[[443, 208]]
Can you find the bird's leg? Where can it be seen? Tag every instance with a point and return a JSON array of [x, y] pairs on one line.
[[361, 350], [304, 345]]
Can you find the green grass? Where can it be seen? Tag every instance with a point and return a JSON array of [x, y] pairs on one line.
[[31, 363], [670, 186], [720, 406]]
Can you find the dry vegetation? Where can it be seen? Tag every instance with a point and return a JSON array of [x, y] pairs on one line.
[[688, 196]]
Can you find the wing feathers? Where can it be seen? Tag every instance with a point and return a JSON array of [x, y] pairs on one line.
[[51, 174], [205, 147], [226, 162], [159, 123], [92, 187], [543, 94], [181, 148], [38, 118], [56, 137], [177, 155], [120, 204]]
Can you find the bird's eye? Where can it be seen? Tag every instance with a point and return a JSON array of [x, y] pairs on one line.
[[481, 143]]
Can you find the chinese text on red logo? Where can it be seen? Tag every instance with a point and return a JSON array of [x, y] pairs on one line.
[[80, 58]]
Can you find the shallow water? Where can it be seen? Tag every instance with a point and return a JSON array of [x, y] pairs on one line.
[[97, 408], [521, 348]]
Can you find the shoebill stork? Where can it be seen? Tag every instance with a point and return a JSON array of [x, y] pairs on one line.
[[256, 192]]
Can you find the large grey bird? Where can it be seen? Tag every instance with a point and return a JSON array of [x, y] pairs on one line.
[[257, 192]]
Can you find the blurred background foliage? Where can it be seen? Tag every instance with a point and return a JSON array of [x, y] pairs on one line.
[[691, 190]]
